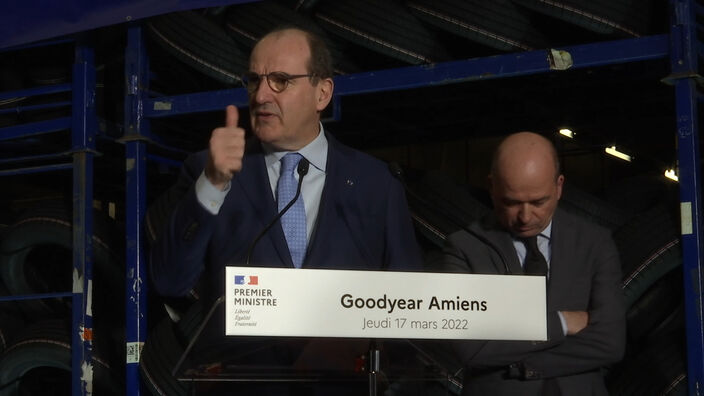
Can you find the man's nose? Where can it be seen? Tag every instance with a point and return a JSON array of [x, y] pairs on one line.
[[524, 213]]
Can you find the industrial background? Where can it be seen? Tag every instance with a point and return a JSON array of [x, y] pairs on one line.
[[100, 103]]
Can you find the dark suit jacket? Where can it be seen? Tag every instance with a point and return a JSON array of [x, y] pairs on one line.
[[363, 223], [585, 275]]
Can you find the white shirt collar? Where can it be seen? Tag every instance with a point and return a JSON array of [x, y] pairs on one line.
[[547, 232], [316, 152]]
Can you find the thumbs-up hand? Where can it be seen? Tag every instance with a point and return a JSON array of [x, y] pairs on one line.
[[225, 151]]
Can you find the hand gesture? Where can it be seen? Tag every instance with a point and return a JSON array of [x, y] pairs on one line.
[[225, 151]]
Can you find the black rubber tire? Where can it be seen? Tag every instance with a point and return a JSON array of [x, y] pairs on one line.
[[673, 322], [10, 328], [650, 248], [47, 345], [36, 257], [626, 18], [656, 310], [651, 190], [659, 369], [453, 199], [263, 16], [10, 307], [11, 80], [158, 213], [497, 24], [200, 43], [386, 27], [440, 206], [581, 203], [191, 319], [160, 354]]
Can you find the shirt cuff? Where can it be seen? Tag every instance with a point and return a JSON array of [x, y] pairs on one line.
[[563, 322], [208, 195]]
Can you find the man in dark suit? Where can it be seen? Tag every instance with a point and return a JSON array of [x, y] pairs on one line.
[[356, 212], [586, 319], [353, 212]]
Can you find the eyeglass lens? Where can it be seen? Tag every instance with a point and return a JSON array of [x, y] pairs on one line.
[[277, 81]]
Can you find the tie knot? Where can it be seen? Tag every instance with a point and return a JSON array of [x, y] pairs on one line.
[[289, 162], [531, 243], [534, 263]]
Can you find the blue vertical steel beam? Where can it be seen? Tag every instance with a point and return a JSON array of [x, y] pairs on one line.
[[83, 131], [691, 213], [136, 280], [136, 132], [683, 60]]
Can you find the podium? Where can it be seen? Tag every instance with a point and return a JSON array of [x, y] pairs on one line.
[[306, 331], [287, 365], [298, 365]]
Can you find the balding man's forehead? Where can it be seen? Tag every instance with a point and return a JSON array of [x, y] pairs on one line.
[[520, 149]]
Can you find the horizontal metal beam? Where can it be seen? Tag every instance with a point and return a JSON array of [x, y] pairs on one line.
[[34, 158], [35, 128], [164, 161], [509, 65], [43, 90], [35, 169], [34, 296], [194, 103], [46, 106]]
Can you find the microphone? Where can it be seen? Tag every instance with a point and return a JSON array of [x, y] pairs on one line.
[[302, 170], [396, 170]]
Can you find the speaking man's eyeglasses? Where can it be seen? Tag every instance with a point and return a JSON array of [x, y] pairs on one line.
[[277, 81]]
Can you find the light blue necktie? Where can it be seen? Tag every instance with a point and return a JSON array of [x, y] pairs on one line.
[[294, 220]]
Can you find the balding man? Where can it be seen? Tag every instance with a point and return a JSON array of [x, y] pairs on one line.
[[528, 234]]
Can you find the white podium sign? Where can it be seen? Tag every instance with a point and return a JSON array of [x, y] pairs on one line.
[[383, 304]]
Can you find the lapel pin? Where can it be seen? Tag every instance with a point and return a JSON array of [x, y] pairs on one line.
[[350, 182]]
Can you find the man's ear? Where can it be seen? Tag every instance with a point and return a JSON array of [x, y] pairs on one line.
[[325, 88]]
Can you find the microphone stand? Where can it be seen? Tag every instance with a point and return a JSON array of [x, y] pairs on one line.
[[374, 364], [199, 330], [302, 170]]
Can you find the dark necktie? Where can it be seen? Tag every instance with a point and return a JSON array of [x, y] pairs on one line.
[[535, 263]]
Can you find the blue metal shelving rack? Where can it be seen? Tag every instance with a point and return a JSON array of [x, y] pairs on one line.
[[135, 139], [78, 158], [680, 46]]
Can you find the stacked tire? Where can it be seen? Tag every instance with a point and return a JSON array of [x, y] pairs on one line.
[[36, 334], [655, 360]]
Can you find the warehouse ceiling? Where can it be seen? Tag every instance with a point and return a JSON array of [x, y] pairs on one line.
[[205, 49], [625, 104]]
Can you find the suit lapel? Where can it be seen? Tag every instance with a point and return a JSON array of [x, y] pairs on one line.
[[338, 202], [503, 242], [254, 182], [560, 261]]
